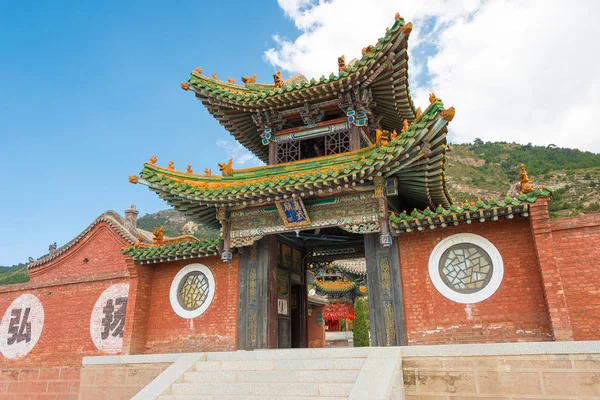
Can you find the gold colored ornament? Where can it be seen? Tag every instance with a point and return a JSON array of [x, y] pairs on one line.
[[153, 160], [230, 80], [448, 115], [406, 29], [159, 236], [397, 16], [171, 166], [198, 71], [278, 79], [189, 169], [214, 76], [419, 113], [185, 85], [226, 168], [248, 80], [341, 63], [133, 179], [433, 98], [208, 171], [405, 126], [526, 187]]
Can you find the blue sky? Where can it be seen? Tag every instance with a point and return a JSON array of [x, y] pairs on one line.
[[89, 91]]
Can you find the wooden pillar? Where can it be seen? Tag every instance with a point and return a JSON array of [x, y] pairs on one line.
[[354, 138], [554, 292], [386, 307], [138, 307], [272, 153], [253, 301]]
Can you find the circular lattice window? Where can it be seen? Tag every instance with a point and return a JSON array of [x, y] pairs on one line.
[[466, 268], [192, 290]]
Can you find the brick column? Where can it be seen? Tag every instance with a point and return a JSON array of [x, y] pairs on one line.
[[554, 293], [138, 307]]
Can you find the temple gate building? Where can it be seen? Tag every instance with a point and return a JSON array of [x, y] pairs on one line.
[[354, 182]]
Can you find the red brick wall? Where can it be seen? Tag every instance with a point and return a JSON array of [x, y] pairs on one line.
[[515, 312], [214, 330], [577, 251], [102, 248], [68, 289]]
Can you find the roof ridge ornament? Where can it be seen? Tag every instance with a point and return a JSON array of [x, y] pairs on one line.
[[226, 168], [526, 187], [153, 160], [278, 80], [406, 29], [341, 63], [448, 114], [433, 98], [248, 80], [185, 85]]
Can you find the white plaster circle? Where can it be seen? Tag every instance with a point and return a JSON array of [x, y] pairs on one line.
[[179, 310], [21, 326], [107, 322], [466, 298]]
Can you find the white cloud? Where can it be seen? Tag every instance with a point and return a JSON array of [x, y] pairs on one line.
[[241, 156], [522, 71]]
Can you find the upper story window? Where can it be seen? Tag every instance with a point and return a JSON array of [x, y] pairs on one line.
[[332, 143]]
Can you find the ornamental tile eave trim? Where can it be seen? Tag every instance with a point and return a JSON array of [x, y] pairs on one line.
[[481, 211], [183, 251], [346, 169], [114, 220], [235, 93]]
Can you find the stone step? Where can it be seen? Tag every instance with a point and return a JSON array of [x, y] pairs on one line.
[[290, 354], [305, 376], [228, 397], [279, 365], [263, 389]]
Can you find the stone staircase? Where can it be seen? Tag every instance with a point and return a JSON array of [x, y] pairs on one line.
[[297, 374]]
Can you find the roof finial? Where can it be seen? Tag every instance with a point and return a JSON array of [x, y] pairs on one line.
[[214, 76], [171, 166], [230, 80], [448, 115], [526, 187], [159, 236], [248, 80], [278, 79], [133, 179], [406, 29], [405, 126], [397, 16], [419, 113], [433, 98], [208, 171], [198, 71], [153, 160], [189, 169], [185, 85], [341, 63], [226, 168]]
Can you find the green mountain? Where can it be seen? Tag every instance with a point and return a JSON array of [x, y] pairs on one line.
[[478, 169], [14, 274], [492, 169]]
